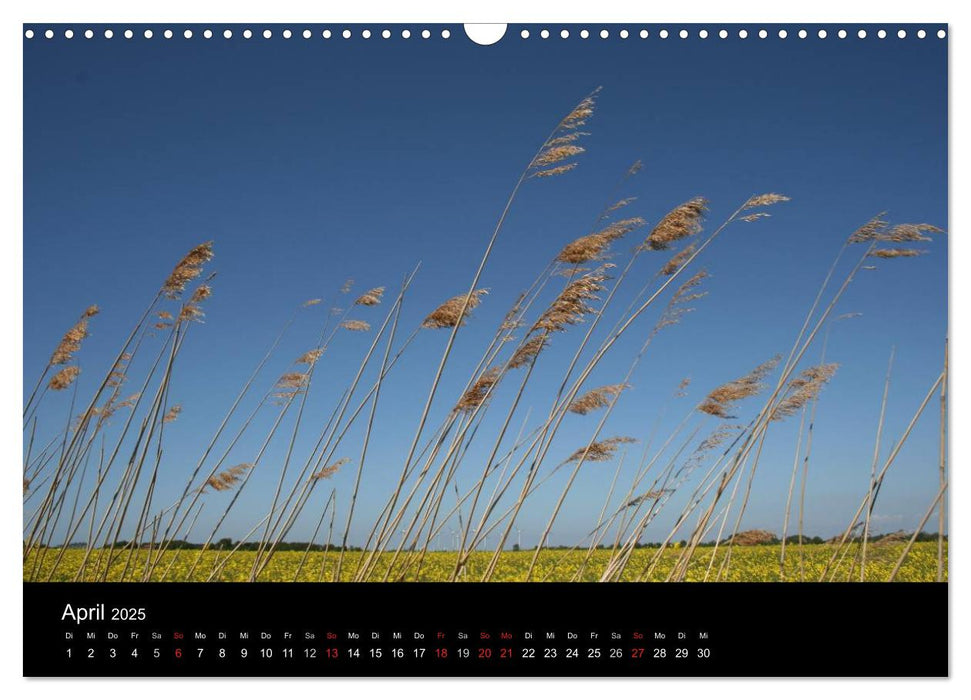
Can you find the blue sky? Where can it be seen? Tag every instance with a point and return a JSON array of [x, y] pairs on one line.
[[311, 161]]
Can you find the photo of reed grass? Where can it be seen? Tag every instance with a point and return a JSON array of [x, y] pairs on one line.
[[651, 364]]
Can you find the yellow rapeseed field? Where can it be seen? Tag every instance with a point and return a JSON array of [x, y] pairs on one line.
[[756, 564]]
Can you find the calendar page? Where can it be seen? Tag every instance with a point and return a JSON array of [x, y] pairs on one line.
[[485, 350]]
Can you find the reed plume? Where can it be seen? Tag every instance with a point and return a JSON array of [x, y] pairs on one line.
[[172, 413], [310, 357], [804, 389], [226, 479], [561, 146], [71, 342], [600, 451], [529, 350], [870, 231], [887, 253], [191, 310], [909, 233], [354, 325], [721, 399], [476, 394], [571, 305], [290, 384], [675, 263], [311, 302], [620, 204], [188, 269], [449, 314], [682, 222], [371, 297], [764, 200], [646, 496], [596, 398], [63, 379], [330, 469], [594, 246], [678, 306]]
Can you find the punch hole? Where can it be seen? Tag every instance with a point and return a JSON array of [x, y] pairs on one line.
[[485, 34]]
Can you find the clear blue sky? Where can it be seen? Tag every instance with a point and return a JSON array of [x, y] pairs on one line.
[[311, 161]]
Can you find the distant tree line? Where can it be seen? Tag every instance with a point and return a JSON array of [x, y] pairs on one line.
[[762, 538]]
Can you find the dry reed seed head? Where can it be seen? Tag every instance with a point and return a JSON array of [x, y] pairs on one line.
[[510, 322], [682, 222], [870, 230], [202, 292], [164, 315], [311, 302], [909, 233], [681, 391], [718, 437], [330, 470], [599, 451], [685, 291], [528, 351], [552, 155], [354, 325], [620, 204], [116, 377], [804, 389], [749, 218], [292, 380], [851, 314], [635, 167], [887, 253], [310, 357], [450, 314], [130, 401], [562, 145], [764, 200], [579, 114], [71, 342], [678, 306], [371, 297], [651, 495], [594, 246], [63, 379], [188, 269], [26, 485], [571, 305], [477, 393], [172, 413], [189, 312], [676, 262], [225, 480], [566, 139], [92, 310], [558, 170], [596, 398], [721, 399], [348, 285]]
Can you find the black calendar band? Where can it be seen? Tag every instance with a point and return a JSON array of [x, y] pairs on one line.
[[509, 629]]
